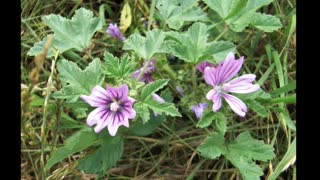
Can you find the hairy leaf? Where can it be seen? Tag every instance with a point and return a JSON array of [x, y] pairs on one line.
[[147, 47], [143, 111], [152, 88], [167, 108], [248, 169], [240, 13], [213, 146], [105, 157], [241, 152], [117, 68], [78, 82], [78, 31], [192, 45], [257, 107], [219, 50], [75, 143], [176, 12], [251, 148], [266, 23], [56, 45]]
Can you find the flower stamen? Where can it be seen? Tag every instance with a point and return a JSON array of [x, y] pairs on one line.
[[114, 106]]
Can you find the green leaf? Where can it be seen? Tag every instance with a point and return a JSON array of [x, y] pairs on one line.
[[167, 95], [257, 107], [78, 82], [288, 121], [245, 145], [259, 94], [248, 169], [220, 49], [291, 86], [288, 99], [147, 47], [241, 152], [167, 108], [222, 7], [116, 68], [213, 146], [176, 12], [146, 102], [143, 129], [78, 31], [287, 159], [105, 157], [143, 111], [266, 23], [56, 44], [220, 123], [192, 45], [75, 143], [240, 13], [152, 88], [245, 16], [206, 119]]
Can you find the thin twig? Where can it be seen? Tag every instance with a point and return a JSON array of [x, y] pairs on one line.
[[44, 118]]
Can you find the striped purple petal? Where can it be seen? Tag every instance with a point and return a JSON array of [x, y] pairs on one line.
[[210, 76], [242, 84], [114, 108], [105, 120], [117, 119], [236, 104], [214, 96], [98, 97], [120, 93], [229, 68]]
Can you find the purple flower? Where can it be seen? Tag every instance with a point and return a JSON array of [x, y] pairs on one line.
[[219, 77], [114, 31], [113, 108], [201, 66], [147, 74], [199, 109]]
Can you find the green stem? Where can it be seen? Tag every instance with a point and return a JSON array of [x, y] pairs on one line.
[[150, 19], [221, 34], [194, 78], [44, 118], [181, 140], [168, 70], [143, 70]]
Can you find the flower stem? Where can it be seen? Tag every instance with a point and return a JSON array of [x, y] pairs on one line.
[[143, 70]]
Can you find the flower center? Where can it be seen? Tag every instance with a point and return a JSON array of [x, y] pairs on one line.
[[114, 106], [219, 88]]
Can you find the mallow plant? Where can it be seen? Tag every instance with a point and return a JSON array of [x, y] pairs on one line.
[[119, 95]]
